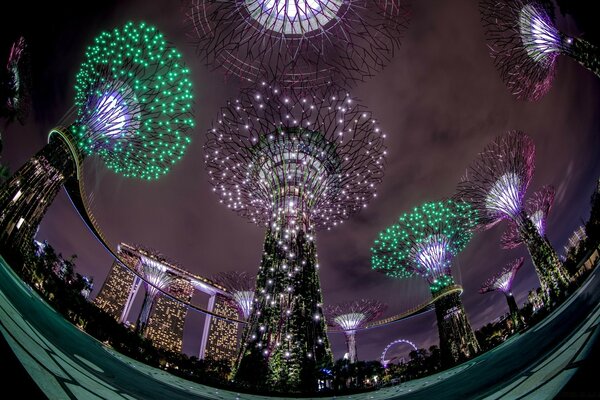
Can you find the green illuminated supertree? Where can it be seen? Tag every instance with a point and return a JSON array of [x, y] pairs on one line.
[[424, 242], [133, 108]]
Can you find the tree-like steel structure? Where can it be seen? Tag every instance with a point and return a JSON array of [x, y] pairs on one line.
[[294, 164], [424, 242], [241, 286], [537, 208], [303, 44], [133, 108], [525, 44], [495, 184], [16, 90], [502, 282], [156, 278], [353, 315]]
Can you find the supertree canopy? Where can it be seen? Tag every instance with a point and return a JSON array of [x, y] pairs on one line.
[[351, 316], [241, 286], [525, 43], [132, 108], [301, 43], [495, 185], [424, 242], [503, 282], [156, 278], [17, 88], [294, 164], [496, 182], [537, 208]]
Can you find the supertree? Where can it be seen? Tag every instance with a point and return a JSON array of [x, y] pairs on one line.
[[537, 208], [424, 242], [495, 184], [156, 278], [16, 90], [503, 282], [303, 44], [294, 164], [241, 286], [525, 43], [133, 103], [353, 315]]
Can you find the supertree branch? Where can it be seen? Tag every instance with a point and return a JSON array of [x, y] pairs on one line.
[[133, 109], [156, 278], [503, 282], [537, 208], [304, 44], [425, 241], [18, 85], [525, 43], [351, 316], [241, 286], [496, 182]]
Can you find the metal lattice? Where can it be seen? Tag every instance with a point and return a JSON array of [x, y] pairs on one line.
[[304, 44]]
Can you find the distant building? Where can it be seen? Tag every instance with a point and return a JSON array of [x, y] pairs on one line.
[[222, 339], [165, 326], [166, 323]]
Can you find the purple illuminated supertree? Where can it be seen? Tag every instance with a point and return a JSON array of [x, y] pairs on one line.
[[293, 164], [502, 282], [303, 44], [537, 209], [525, 43], [495, 185], [17, 88], [241, 286], [156, 278], [351, 316], [424, 242]]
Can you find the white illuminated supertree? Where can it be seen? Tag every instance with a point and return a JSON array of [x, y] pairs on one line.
[[241, 286], [303, 44], [294, 164], [156, 278], [351, 316]]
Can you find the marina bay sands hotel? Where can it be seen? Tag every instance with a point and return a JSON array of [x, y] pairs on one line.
[[166, 322]]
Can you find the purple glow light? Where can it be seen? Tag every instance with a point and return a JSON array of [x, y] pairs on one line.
[[503, 280], [540, 37], [505, 196], [432, 258], [293, 17]]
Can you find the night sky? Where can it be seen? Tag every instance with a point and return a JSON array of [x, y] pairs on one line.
[[440, 102]]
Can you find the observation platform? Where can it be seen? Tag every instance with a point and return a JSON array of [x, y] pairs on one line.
[[67, 363]]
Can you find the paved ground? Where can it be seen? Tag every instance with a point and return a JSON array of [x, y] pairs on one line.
[[67, 363]]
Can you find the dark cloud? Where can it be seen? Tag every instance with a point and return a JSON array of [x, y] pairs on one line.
[[440, 101]]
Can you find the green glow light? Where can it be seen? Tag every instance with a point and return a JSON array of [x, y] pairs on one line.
[[145, 133], [393, 250]]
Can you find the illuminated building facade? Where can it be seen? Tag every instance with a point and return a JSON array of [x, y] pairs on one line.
[[222, 338], [167, 316]]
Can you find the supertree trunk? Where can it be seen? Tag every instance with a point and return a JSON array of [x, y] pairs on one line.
[[585, 54], [457, 340], [285, 342], [25, 198], [351, 344], [142, 321], [553, 277], [515, 315]]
